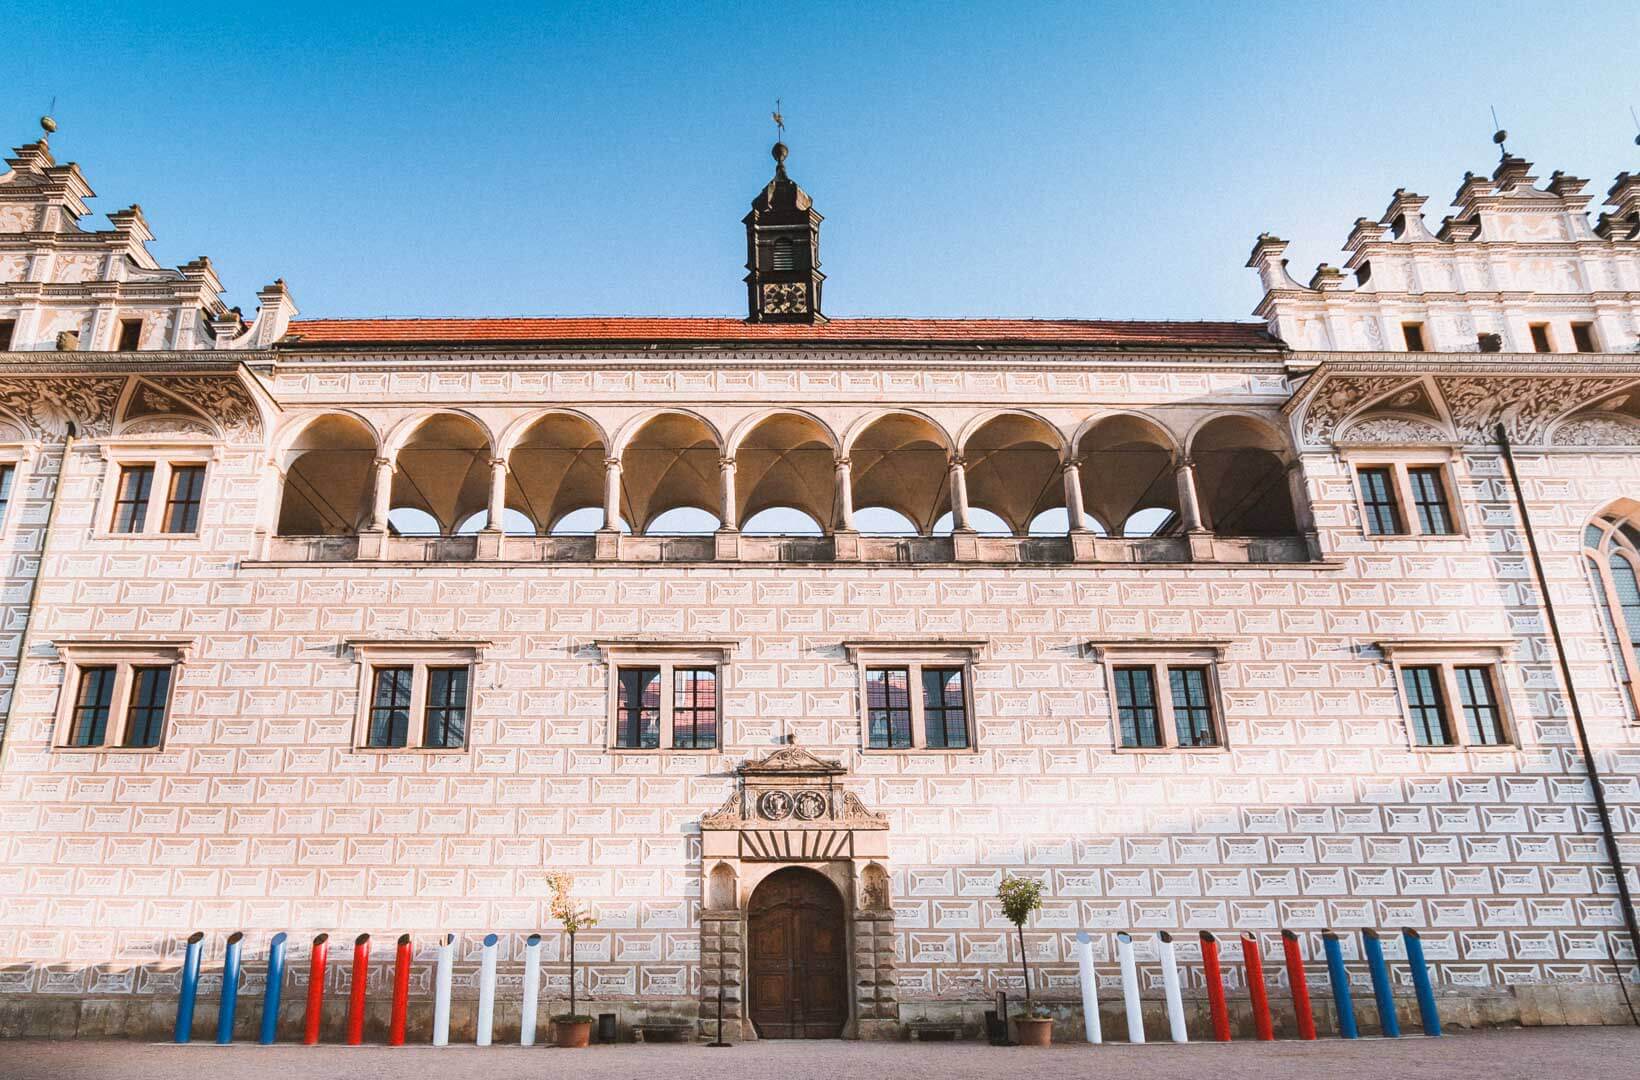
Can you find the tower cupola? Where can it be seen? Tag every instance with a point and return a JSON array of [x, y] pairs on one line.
[[783, 277]]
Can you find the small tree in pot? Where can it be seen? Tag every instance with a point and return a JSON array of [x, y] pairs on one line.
[[571, 1028], [1020, 897]]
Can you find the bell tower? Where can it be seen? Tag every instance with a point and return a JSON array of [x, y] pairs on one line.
[[783, 276]]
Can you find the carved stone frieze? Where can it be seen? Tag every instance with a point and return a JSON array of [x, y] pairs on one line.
[[223, 398], [1400, 430], [49, 404], [1524, 405], [1594, 430], [1338, 398]]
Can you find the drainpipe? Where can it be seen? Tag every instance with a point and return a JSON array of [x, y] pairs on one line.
[[1613, 857], [23, 639]]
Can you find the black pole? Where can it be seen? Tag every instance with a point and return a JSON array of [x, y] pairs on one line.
[[1613, 856]]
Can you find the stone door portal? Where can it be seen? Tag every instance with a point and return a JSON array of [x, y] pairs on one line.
[[796, 941]]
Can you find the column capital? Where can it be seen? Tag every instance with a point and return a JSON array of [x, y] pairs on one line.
[[382, 462], [498, 463], [956, 461], [1070, 465], [727, 461], [842, 462], [612, 463]]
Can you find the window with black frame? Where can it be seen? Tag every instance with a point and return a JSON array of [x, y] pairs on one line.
[[445, 720], [1426, 705], [694, 708], [390, 708], [1137, 712], [1192, 706], [145, 712], [1480, 706], [945, 709], [888, 708], [1378, 500], [131, 500], [187, 493], [8, 474], [93, 706], [1429, 498], [638, 709]]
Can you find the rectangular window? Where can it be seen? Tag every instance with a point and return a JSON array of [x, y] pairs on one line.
[[445, 722], [1540, 337], [1136, 709], [945, 709], [694, 708], [1192, 707], [888, 708], [1583, 337], [1383, 513], [638, 709], [8, 473], [8, 330], [1429, 496], [390, 708], [131, 505], [93, 705], [145, 713], [1426, 705], [1480, 706], [187, 490], [130, 335], [1414, 334]]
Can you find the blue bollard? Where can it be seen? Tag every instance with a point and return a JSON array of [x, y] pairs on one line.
[[276, 984], [230, 989], [1340, 980], [1381, 988], [1420, 980], [190, 988]]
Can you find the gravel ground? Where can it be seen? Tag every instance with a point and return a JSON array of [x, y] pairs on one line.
[[1529, 1054]]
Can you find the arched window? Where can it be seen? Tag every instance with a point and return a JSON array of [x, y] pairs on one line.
[[1612, 545], [784, 257]]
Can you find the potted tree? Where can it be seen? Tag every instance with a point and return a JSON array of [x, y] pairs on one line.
[[1020, 897], [570, 1029]]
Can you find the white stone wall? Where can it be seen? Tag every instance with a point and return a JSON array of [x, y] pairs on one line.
[[259, 816]]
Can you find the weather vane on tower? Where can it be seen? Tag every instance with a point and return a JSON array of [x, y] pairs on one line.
[[779, 121]]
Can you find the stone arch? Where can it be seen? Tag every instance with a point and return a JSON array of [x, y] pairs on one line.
[[327, 461], [555, 466], [785, 458], [1012, 460], [797, 918], [669, 461], [441, 469], [901, 460], [1241, 464], [1128, 469]]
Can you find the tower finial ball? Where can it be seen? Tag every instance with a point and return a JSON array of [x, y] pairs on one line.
[[47, 124], [1499, 136], [779, 151]]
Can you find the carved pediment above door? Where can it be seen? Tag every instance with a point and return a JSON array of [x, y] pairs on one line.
[[793, 806]]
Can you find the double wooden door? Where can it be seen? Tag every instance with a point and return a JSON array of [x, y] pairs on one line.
[[797, 947]]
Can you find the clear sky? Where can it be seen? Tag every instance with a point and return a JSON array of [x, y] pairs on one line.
[[1085, 159]]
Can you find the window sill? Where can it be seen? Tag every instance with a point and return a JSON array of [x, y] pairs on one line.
[[881, 751], [107, 749], [637, 751], [1448, 537], [441, 751], [109, 535], [1171, 749], [1466, 748]]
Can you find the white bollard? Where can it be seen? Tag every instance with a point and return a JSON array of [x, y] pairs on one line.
[[1130, 987], [532, 990], [1090, 988], [441, 992], [486, 991], [1170, 987]]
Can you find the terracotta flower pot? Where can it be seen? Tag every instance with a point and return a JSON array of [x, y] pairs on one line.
[[572, 1034], [1030, 1031]]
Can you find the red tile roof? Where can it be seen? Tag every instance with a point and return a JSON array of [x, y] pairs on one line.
[[346, 333]]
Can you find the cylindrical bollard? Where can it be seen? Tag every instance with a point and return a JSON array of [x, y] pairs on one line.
[[1382, 990], [1427, 1012], [441, 991], [1090, 989], [401, 992], [228, 1004], [274, 989], [1170, 988], [486, 990], [316, 990], [190, 987], [1130, 988], [355, 998], [1254, 963], [1339, 977], [1214, 975], [1299, 985], [532, 990]]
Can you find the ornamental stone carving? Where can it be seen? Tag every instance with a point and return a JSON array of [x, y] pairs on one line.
[[1596, 431], [1338, 398], [48, 405], [1398, 430], [1525, 406], [222, 397]]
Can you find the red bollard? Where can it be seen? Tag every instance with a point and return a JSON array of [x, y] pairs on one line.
[[1300, 988], [401, 991], [1255, 986], [1215, 987], [316, 990], [355, 1001]]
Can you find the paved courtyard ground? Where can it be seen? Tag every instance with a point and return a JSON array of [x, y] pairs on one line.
[[1495, 1055]]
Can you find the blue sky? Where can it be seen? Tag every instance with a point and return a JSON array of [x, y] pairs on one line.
[[1086, 160]]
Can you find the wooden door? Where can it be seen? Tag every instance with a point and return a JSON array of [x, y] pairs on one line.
[[798, 964]]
